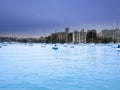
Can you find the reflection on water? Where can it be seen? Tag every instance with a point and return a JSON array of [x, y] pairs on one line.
[[78, 68]]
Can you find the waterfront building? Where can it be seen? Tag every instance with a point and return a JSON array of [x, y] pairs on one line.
[[70, 37], [113, 33], [61, 37], [79, 37], [82, 36], [67, 33], [91, 36], [76, 36]]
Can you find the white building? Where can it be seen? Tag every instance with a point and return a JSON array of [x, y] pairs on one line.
[[79, 37], [114, 34]]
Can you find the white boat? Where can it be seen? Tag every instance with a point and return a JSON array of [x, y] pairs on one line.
[[100, 44], [72, 46], [92, 44], [4, 44], [43, 45], [81, 44], [114, 46], [109, 44], [55, 47], [30, 44], [65, 45]]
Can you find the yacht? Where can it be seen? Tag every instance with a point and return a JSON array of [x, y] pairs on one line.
[[55, 47]]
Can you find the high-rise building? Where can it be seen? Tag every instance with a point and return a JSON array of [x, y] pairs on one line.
[[82, 36], [79, 37], [91, 36], [75, 36], [67, 33], [66, 30]]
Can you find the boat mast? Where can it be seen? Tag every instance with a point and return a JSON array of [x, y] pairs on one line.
[[79, 38], [82, 35], [73, 37], [92, 37], [118, 30], [113, 35]]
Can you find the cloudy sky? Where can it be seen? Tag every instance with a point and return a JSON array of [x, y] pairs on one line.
[[34, 18]]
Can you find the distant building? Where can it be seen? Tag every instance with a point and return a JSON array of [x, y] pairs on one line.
[[114, 34], [67, 30], [91, 36], [76, 36], [107, 33], [60, 37], [70, 37], [79, 37], [67, 33], [82, 36]]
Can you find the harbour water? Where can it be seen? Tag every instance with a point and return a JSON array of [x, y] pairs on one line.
[[32, 67]]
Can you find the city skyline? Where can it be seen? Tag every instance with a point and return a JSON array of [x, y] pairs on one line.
[[34, 18]]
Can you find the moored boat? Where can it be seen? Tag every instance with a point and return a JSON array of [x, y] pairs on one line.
[[55, 47]]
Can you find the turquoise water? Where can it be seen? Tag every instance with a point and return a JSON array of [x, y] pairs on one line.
[[27, 67]]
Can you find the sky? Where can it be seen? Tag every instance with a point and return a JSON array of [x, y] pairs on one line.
[[35, 18]]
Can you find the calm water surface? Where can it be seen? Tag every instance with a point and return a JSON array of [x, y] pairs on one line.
[[24, 67]]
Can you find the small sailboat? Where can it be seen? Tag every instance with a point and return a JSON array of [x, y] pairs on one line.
[[92, 44], [65, 45], [72, 46], [55, 47], [114, 46], [100, 44], [81, 44], [43, 45], [30, 44], [4, 44]]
